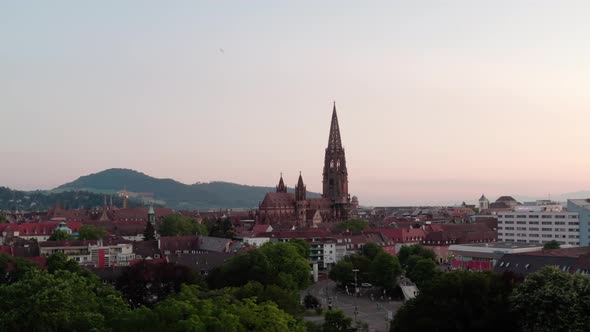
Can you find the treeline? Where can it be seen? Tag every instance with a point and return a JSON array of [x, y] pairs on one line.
[[11, 200], [546, 301], [254, 291]]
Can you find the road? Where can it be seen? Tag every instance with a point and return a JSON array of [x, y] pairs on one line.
[[373, 312]]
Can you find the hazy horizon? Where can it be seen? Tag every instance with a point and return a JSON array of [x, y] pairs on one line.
[[436, 102]]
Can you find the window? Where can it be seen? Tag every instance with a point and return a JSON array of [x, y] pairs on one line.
[[534, 229], [546, 223], [509, 228], [509, 234], [527, 266], [546, 216], [573, 223], [546, 229], [533, 216], [521, 222], [157, 256], [509, 216], [533, 235], [573, 230], [533, 222], [166, 252], [560, 222], [520, 216], [560, 216], [573, 217], [521, 228], [509, 222], [499, 228], [560, 229], [547, 235], [508, 264]]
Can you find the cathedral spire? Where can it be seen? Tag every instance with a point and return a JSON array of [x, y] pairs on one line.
[[334, 142], [300, 191], [281, 187]]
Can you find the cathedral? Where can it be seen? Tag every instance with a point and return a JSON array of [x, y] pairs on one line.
[[283, 207]]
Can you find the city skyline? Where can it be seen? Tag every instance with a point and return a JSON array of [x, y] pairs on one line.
[[429, 110]]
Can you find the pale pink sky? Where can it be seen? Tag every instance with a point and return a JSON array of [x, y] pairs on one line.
[[436, 102]]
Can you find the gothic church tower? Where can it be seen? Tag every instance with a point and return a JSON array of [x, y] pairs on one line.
[[335, 182]]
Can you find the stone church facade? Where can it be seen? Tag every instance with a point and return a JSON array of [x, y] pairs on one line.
[[282, 207]]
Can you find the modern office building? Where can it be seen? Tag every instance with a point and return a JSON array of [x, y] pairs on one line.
[[582, 208], [541, 222]]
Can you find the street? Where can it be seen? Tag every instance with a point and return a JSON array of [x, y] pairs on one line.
[[374, 312]]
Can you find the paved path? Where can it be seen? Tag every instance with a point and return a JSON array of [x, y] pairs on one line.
[[373, 312]]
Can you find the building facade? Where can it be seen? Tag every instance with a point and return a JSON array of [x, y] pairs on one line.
[[539, 223], [281, 206]]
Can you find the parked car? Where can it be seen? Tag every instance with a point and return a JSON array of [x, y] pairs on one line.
[[366, 285]]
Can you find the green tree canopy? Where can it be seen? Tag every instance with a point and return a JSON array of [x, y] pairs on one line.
[[416, 249], [459, 301], [221, 227], [337, 321], [551, 245], [421, 271], [370, 250], [352, 225], [552, 300], [385, 269], [91, 232], [62, 301], [193, 310], [177, 225], [60, 236]]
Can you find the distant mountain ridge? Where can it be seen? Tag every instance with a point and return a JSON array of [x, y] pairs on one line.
[[212, 195]]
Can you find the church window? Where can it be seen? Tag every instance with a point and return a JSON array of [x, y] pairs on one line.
[[338, 164], [331, 163]]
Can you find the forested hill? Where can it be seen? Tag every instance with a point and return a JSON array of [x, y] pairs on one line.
[[213, 195], [11, 200]]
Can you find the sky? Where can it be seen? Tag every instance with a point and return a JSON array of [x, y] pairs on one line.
[[437, 100]]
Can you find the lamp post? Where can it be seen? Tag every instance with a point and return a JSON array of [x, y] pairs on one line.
[[356, 289]]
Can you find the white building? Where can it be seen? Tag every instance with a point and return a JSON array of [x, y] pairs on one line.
[[539, 223]]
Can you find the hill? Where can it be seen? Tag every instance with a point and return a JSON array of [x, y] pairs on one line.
[[39, 200], [213, 195]]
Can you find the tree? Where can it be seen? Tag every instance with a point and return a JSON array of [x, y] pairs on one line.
[[551, 245], [336, 321], [147, 283], [3, 218], [13, 269], [59, 261], [311, 302], [239, 270], [385, 269], [177, 225], [302, 246], [352, 226], [342, 272], [60, 236], [91, 232], [459, 301], [552, 300], [287, 267], [149, 233], [221, 228], [422, 271], [415, 249], [370, 250], [62, 301], [193, 310]]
